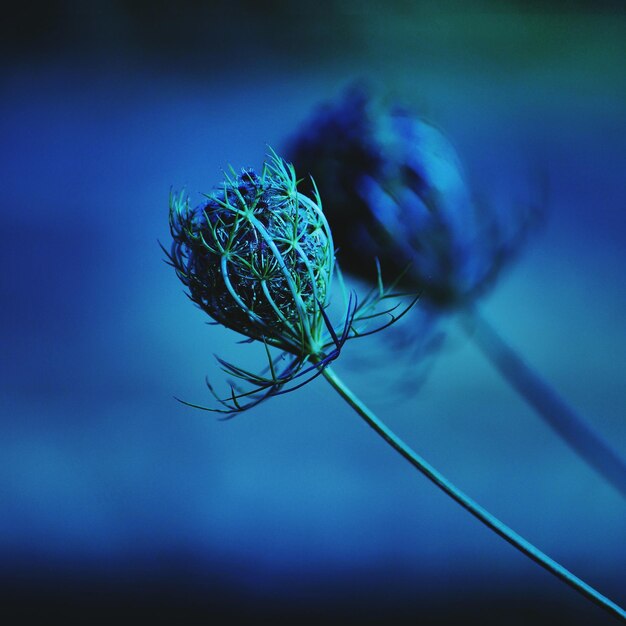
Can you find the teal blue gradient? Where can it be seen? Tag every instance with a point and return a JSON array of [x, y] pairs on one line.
[[104, 476]]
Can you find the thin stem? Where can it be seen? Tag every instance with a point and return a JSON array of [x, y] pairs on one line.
[[467, 503], [563, 419]]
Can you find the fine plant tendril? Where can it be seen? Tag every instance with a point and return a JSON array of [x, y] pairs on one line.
[[394, 189], [258, 257]]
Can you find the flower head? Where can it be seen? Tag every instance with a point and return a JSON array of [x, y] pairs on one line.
[[257, 256], [394, 189]]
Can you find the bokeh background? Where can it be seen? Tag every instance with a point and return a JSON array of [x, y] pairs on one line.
[[117, 501]]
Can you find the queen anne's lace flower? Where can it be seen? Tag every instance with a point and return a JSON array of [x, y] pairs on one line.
[[394, 189], [257, 256]]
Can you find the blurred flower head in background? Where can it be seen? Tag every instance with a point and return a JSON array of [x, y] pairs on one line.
[[394, 189]]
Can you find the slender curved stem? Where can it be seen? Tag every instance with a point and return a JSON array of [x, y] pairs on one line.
[[467, 503], [572, 428]]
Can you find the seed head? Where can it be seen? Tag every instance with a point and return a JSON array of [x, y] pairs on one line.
[[257, 256], [394, 189]]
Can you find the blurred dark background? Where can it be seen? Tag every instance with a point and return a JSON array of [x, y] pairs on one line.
[[118, 502]]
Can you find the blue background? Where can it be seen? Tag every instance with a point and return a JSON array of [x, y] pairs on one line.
[[115, 498]]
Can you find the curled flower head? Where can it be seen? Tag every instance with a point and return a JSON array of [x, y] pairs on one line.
[[394, 189], [257, 256]]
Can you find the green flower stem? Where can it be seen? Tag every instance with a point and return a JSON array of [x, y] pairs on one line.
[[467, 503], [572, 428]]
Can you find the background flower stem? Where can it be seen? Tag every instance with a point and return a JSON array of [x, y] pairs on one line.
[[467, 503], [562, 418]]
